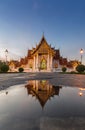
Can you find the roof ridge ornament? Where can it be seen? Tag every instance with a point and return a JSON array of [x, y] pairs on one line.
[[43, 34]]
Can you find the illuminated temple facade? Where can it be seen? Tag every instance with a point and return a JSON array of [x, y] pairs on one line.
[[42, 58]]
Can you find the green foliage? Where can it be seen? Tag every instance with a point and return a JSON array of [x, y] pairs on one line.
[[20, 69], [73, 72], [4, 68], [80, 68], [1, 63], [64, 69]]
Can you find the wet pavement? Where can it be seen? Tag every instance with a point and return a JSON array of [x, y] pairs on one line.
[[40, 105], [55, 78]]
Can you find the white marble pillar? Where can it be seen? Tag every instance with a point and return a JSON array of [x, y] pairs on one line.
[[34, 85], [51, 62], [48, 63], [34, 63], [37, 85], [37, 63], [48, 88]]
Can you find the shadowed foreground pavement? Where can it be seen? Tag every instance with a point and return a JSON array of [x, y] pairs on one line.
[[62, 124], [46, 123]]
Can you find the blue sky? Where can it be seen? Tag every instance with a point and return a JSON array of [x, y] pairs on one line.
[[22, 23]]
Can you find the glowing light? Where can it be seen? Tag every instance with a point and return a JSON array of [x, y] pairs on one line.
[[81, 51], [80, 93]]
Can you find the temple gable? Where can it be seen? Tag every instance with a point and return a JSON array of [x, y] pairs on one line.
[[43, 47]]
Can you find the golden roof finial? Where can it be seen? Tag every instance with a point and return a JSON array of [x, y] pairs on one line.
[[43, 34]]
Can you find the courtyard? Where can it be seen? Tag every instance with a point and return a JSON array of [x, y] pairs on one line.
[[73, 80]]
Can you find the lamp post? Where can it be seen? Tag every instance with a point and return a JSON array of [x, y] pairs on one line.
[[6, 53], [81, 52]]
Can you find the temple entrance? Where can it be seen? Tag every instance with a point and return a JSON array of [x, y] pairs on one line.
[[43, 64]]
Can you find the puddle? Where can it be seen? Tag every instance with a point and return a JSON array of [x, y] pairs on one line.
[[30, 106]]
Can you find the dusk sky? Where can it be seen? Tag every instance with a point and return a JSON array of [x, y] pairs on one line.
[[22, 23]]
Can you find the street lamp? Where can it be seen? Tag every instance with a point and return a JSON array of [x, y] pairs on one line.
[[6, 53], [81, 52]]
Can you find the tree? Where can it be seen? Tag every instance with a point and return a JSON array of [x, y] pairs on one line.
[[64, 69], [1, 63], [80, 68], [4, 68], [20, 69]]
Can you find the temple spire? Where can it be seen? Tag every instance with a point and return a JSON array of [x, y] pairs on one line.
[[43, 34]]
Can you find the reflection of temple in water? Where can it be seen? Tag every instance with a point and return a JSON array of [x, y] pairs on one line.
[[42, 90]]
